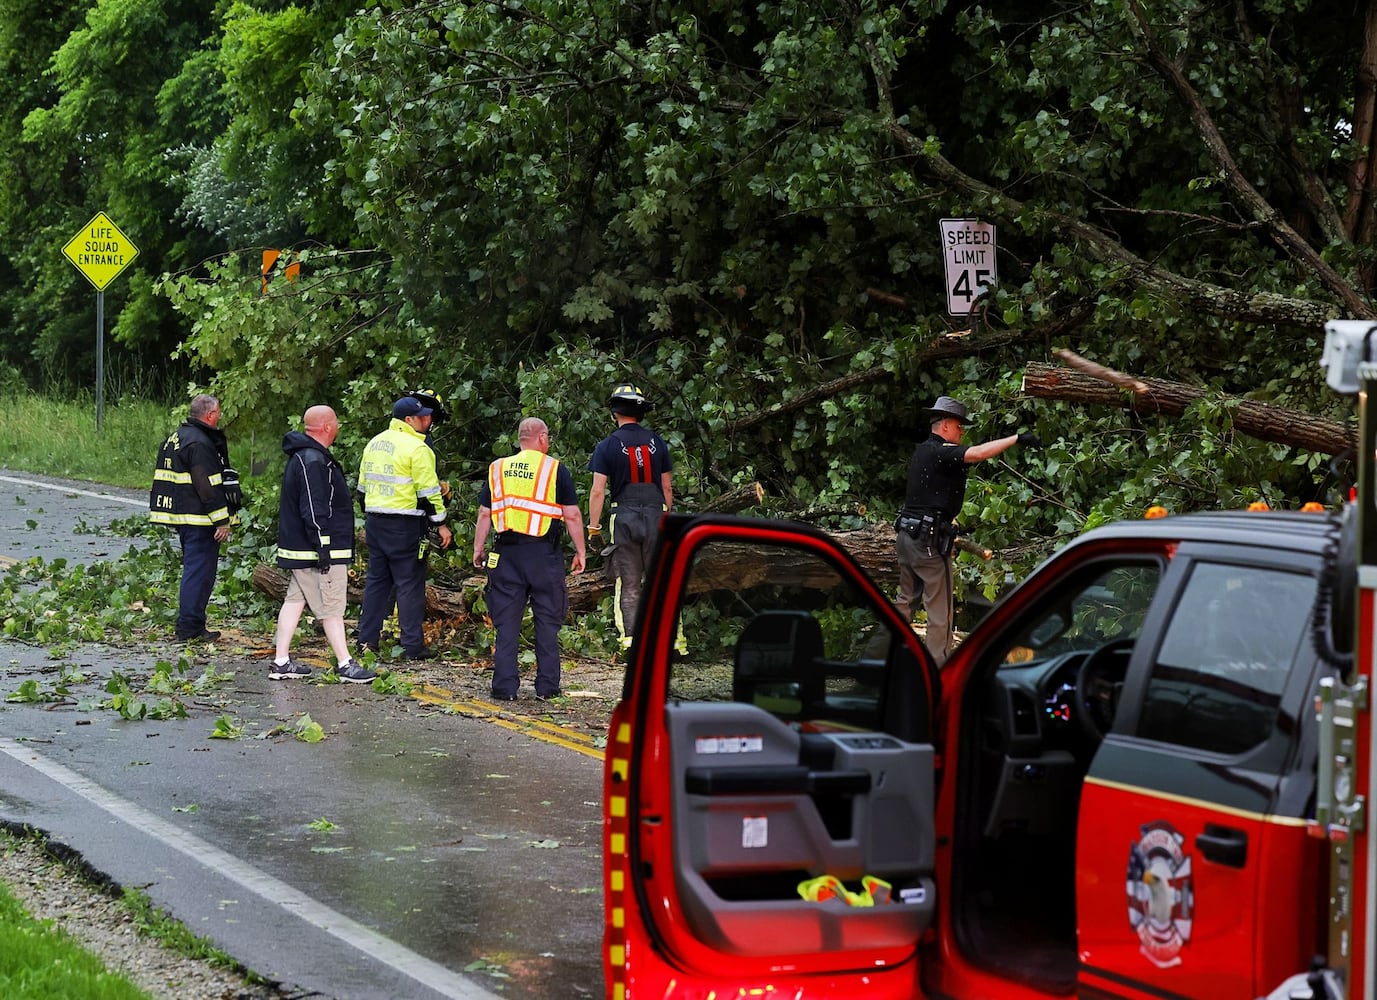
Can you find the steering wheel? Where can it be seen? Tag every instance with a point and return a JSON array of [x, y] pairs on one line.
[[1097, 686]]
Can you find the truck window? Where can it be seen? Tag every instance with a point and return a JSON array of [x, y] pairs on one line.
[[783, 630], [1107, 604], [1225, 658]]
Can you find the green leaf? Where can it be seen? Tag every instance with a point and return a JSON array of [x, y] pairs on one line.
[[226, 729], [308, 730]]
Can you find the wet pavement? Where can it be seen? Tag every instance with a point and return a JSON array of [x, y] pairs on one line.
[[58, 518], [413, 853]]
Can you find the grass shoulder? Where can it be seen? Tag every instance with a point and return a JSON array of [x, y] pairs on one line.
[[58, 437], [65, 933]]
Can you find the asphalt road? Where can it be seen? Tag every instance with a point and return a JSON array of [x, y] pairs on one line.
[[413, 853]]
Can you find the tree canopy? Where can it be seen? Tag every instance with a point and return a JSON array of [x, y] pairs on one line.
[[735, 206]]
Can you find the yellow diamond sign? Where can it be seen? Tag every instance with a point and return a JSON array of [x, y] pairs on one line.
[[100, 251]]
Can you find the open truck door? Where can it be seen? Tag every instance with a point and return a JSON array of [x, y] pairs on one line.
[[769, 798]]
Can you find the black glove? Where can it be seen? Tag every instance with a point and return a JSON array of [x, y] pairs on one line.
[[1029, 440], [234, 493], [324, 564]]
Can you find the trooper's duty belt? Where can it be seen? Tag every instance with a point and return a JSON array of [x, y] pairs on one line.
[[932, 531], [917, 526]]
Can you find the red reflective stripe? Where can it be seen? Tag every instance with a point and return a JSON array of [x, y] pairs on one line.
[[639, 459]]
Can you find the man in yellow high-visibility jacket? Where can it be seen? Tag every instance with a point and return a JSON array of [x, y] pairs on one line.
[[527, 503], [401, 500]]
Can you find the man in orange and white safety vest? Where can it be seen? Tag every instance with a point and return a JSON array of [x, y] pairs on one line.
[[527, 504]]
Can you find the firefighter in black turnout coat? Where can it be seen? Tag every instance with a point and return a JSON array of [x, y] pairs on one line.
[[196, 491]]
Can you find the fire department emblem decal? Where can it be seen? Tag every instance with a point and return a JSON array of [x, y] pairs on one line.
[[1161, 893]]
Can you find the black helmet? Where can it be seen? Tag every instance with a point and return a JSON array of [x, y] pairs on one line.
[[433, 400], [628, 400]]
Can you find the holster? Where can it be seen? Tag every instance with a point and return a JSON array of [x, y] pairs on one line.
[[934, 534]]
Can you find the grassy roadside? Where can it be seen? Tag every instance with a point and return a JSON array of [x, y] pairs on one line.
[[67, 935], [37, 963], [58, 437]]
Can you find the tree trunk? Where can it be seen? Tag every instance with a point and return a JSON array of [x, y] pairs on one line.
[[872, 547], [735, 500], [441, 602], [1259, 420]]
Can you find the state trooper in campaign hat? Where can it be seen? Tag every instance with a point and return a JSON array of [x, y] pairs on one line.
[[947, 407]]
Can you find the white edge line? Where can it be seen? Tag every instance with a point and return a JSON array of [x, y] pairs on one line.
[[72, 489], [423, 970]]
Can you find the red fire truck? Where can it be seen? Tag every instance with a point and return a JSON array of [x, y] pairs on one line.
[[1143, 775]]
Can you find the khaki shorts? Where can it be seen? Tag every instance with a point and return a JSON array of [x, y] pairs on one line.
[[326, 593]]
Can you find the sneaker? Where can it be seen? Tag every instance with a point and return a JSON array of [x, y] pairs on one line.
[[291, 670], [424, 653], [503, 696], [353, 673], [205, 635]]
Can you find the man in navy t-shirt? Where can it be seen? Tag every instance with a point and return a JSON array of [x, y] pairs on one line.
[[631, 468]]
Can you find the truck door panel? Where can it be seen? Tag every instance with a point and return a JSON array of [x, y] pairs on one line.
[[789, 751], [754, 822]]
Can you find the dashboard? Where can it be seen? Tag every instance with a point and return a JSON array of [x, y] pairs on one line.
[[1034, 707]]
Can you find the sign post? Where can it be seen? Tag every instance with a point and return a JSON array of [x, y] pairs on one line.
[[100, 252], [968, 248]]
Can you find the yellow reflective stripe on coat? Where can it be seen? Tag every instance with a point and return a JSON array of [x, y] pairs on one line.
[[523, 493], [312, 555], [184, 478], [396, 470], [163, 517]]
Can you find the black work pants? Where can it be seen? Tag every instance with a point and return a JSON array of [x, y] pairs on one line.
[[394, 560]]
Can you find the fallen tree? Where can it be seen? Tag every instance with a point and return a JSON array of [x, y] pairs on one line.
[[586, 590], [872, 547], [1091, 384], [1080, 381]]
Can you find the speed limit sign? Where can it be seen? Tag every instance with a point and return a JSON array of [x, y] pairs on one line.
[[968, 247]]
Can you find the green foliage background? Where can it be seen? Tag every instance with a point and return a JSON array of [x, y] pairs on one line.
[[734, 205]]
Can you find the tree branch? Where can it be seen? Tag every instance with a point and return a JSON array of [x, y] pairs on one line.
[[1258, 206], [1214, 300], [1258, 420]]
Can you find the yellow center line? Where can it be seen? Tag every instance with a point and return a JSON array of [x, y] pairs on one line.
[[537, 729]]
